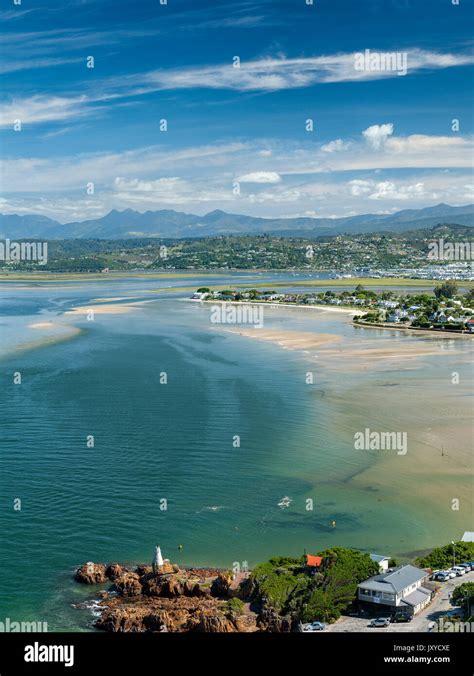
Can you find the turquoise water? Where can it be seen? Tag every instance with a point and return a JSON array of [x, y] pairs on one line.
[[171, 441]]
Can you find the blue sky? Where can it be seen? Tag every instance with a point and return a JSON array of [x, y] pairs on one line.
[[236, 138]]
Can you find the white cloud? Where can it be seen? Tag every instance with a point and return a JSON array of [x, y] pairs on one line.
[[200, 178], [282, 73], [162, 185], [37, 109], [360, 187], [265, 74], [391, 190], [335, 146], [377, 134], [260, 177]]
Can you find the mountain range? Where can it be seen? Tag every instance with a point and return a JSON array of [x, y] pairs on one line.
[[175, 224]]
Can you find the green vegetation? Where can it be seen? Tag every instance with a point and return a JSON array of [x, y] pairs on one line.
[[446, 290], [285, 584], [234, 606], [277, 581], [443, 557], [344, 253], [464, 595]]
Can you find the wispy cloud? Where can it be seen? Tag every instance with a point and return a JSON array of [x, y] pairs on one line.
[[265, 75], [273, 74]]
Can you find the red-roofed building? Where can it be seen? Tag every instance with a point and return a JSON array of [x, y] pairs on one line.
[[313, 561]]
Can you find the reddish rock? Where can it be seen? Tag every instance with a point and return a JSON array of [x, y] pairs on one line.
[[221, 585], [128, 584], [270, 621], [143, 570], [114, 571], [213, 624], [91, 573], [179, 614]]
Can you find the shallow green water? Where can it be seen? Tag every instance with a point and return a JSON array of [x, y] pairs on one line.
[[173, 441]]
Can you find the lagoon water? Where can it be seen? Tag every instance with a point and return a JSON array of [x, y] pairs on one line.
[[176, 441]]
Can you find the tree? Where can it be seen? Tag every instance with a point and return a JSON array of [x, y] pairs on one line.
[[464, 596], [443, 557], [203, 289], [447, 289], [470, 294]]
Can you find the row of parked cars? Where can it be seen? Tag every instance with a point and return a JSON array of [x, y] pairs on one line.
[[385, 621], [455, 571]]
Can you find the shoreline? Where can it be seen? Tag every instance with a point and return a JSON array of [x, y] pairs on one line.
[[414, 329], [346, 310]]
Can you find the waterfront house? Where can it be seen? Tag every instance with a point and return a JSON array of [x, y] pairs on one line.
[[468, 536], [394, 318], [397, 589], [313, 563], [383, 561]]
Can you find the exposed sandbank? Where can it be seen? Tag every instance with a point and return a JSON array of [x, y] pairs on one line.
[[106, 308]]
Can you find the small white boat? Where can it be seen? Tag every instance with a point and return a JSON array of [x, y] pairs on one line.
[[285, 502]]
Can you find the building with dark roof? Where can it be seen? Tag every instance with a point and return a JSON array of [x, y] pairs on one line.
[[399, 588]]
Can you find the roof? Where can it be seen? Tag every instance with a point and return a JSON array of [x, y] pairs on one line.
[[468, 536], [313, 560], [395, 579], [416, 597], [378, 558]]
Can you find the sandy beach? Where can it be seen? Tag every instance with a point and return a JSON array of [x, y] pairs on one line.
[[106, 308], [356, 353], [290, 340]]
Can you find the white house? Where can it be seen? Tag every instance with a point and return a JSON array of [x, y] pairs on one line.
[[383, 561], [468, 536], [398, 588]]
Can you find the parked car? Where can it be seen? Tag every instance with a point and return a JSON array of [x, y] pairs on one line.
[[451, 573], [434, 573], [380, 622], [466, 566], [402, 617], [458, 570], [313, 626], [443, 576]]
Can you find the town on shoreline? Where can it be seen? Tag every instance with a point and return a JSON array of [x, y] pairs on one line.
[[444, 310]]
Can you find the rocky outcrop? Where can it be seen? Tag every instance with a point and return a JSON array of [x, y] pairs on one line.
[[173, 600], [128, 584], [114, 571], [270, 621], [179, 614], [91, 573], [221, 584], [214, 624]]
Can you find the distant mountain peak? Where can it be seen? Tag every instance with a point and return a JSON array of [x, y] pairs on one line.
[[168, 223]]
